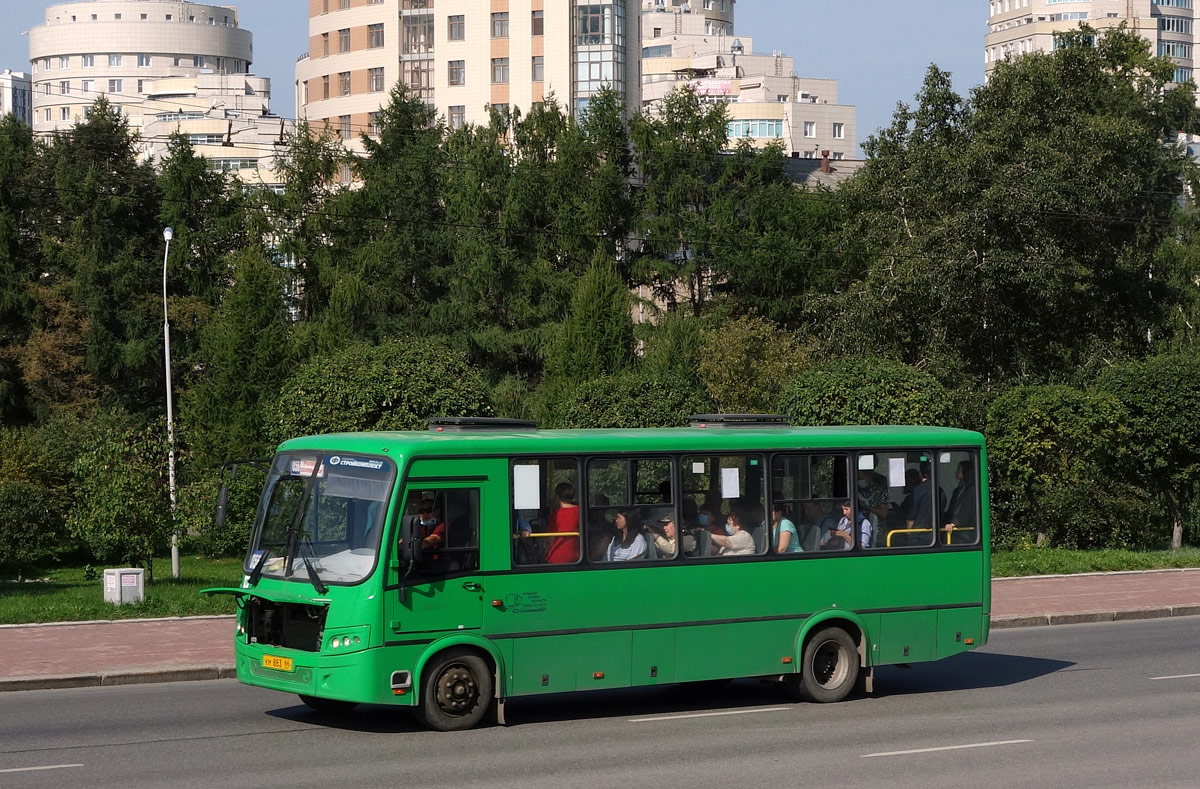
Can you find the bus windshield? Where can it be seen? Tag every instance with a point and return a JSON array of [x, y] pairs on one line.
[[323, 511]]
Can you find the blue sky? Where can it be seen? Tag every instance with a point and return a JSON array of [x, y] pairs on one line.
[[878, 50]]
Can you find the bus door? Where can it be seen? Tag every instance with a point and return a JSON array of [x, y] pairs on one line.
[[438, 588]]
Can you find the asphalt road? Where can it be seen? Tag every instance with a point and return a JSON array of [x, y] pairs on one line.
[[1113, 704]]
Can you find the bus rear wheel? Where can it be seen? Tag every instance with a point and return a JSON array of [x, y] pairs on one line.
[[829, 669], [327, 706], [456, 691]]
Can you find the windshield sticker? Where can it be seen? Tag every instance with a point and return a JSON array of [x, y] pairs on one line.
[[373, 465]]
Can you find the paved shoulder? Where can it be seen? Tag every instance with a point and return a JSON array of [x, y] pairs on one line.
[[1094, 597]]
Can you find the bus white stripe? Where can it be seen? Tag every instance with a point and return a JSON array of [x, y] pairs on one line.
[[705, 715], [946, 748]]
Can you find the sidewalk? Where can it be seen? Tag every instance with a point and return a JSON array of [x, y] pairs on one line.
[[36, 657]]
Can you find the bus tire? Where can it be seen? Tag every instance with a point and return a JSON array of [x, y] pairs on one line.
[[829, 669], [327, 706], [456, 691]]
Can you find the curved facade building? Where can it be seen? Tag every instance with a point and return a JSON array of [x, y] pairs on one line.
[[119, 47]]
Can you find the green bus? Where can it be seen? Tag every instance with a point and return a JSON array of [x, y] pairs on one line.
[[452, 569]]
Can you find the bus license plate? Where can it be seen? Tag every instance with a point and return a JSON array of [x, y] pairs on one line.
[[277, 663]]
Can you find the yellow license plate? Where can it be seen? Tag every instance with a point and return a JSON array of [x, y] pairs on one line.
[[277, 663]]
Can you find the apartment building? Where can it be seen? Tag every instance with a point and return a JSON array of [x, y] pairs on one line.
[[694, 43], [168, 66], [16, 95], [463, 57], [1016, 27]]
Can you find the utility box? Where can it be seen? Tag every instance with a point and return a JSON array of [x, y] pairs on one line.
[[124, 586]]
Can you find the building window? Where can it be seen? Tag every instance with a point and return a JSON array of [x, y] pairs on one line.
[[114, 60], [143, 60], [375, 36], [458, 72], [500, 25], [837, 155], [47, 115], [839, 131], [114, 86], [344, 4], [87, 86], [810, 129], [64, 62], [344, 82], [538, 23], [376, 79], [499, 71], [456, 30], [64, 88], [344, 40], [325, 86], [325, 45], [458, 116], [198, 61], [142, 86], [89, 61], [539, 68], [344, 123], [375, 123], [416, 34], [65, 113]]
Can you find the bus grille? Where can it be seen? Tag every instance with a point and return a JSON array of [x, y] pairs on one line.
[[285, 624]]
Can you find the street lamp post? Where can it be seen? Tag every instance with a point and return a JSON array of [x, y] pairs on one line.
[[168, 234]]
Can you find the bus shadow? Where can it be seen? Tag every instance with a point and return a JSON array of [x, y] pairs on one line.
[[968, 671]]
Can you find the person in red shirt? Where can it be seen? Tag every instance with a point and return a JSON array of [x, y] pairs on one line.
[[433, 528], [564, 550]]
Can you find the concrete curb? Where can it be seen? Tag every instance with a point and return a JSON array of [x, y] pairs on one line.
[[119, 621], [996, 579], [188, 674], [1089, 617]]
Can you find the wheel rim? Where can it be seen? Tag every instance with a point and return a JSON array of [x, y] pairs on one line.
[[456, 691], [829, 665]]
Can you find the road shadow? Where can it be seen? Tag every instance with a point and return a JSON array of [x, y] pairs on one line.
[[968, 671]]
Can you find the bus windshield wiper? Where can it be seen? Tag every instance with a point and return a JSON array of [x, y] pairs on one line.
[[314, 578], [293, 533]]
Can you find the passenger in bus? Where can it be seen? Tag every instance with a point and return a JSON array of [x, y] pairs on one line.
[[736, 540], [628, 543], [842, 536], [872, 493], [565, 518], [960, 515], [666, 538], [783, 531], [921, 504], [817, 525]]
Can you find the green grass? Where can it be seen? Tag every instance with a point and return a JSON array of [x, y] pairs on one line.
[[64, 595], [1059, 561]]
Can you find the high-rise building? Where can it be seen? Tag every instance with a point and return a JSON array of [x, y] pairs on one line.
[[1016, 27], [693, 43], [15, 95], [168, 66], [463, 56]]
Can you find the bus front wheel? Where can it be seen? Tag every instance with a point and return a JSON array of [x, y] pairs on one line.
[[456, 691], [830, 666]]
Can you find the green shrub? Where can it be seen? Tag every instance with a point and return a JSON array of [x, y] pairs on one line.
[[398, 385], [863, 391], [631, 399], [745, 364]]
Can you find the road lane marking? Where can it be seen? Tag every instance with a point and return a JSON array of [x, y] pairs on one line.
[[1178, 676], [705, 715], [946, 748], [31, 769]]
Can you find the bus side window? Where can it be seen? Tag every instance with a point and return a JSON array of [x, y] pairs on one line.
[[447, 521], [545, 517], [957, 479]]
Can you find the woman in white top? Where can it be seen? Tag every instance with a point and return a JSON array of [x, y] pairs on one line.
[[736, 541], [628, 543]]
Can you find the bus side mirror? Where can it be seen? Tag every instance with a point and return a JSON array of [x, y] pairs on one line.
[[222, 501]]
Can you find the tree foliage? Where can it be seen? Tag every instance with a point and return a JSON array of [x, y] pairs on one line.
[[858, 391]]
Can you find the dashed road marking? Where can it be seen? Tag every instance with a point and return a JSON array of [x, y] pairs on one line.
[[1178, 676], [946, 748], [32, 769]]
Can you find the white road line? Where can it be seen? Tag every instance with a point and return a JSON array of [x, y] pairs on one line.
[[705, 715], [946, 748], [1178, 676], [31, 769]]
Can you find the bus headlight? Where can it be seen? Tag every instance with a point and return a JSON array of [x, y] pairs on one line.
[[347, 639]]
